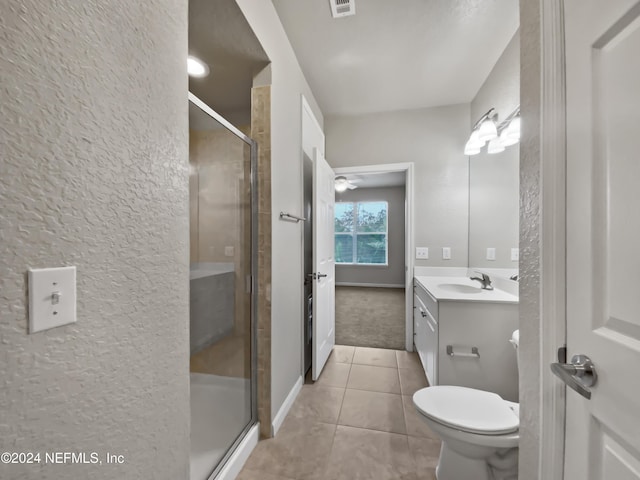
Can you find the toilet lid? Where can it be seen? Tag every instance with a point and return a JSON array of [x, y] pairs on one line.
[[467, 409]]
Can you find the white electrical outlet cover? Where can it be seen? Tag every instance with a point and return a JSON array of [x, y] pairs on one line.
[[515, 254], [52, 297], [446, 253], [491, 253], [422, 253]]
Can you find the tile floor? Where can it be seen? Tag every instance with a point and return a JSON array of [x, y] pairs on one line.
[[356, 422]]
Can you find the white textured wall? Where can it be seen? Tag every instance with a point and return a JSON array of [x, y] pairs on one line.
[[288, 84], [493, 178], [530, 242], [93, 173], [432, 138]]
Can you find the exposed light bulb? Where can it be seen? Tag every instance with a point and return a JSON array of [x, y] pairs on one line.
[[196, 67], [488, 130], [495, 146]]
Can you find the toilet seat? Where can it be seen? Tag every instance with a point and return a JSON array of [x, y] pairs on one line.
[[467, 409]]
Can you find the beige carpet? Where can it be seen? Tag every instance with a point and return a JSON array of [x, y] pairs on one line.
[[370, 317]]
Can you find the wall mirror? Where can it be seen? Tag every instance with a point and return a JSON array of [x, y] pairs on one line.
[[494, 177]]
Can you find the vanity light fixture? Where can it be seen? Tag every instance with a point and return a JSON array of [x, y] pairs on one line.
[[196, 67], [485, 130], [510, 129], [470, 150], [495, 146], [506, 140], [513, 130], [488, 129], [474, 144]]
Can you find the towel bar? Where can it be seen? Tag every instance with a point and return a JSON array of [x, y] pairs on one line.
[[288, 216]]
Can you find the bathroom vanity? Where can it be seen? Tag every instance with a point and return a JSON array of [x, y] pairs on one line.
[[462, 332]]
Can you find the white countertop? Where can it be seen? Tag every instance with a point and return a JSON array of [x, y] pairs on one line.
[[462, 289]]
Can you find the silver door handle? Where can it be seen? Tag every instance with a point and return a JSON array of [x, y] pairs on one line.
[[580, 374], [316, 276]]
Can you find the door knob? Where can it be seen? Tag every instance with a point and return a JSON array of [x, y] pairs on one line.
[[580, 374]]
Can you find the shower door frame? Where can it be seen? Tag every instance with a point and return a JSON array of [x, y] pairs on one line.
[[253, 175]]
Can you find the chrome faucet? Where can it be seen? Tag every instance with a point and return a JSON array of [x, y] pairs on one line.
[[484, 280]]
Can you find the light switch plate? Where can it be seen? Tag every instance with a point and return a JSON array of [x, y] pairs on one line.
[[422, 253], [491, 253], [228, 251], [515, 254], [446, 253], [52, 297]]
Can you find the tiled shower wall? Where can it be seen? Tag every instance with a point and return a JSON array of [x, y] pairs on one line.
[[217, 181]]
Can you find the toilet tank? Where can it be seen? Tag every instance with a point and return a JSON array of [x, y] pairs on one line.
[[515, 341]]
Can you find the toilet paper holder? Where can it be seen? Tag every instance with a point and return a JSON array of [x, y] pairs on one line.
[[475, 353]]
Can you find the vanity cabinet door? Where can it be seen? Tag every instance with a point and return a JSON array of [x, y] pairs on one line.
[[426, 339], [432, 350], [420, 331]]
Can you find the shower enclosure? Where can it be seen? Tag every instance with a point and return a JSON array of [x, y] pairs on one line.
[[223, 233]]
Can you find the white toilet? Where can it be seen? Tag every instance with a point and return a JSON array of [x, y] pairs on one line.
[[478, 429]]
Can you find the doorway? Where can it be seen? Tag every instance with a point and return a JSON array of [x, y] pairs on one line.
[[374, 265]]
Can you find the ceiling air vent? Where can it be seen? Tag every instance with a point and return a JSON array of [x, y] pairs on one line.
[[342, 8]]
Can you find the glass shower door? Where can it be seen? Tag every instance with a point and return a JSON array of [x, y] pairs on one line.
[[222, 333]]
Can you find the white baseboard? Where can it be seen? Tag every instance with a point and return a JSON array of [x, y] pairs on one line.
[[286, 406], [376, 285], [240, 456]]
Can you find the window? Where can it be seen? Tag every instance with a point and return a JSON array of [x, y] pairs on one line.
[[361, 233]]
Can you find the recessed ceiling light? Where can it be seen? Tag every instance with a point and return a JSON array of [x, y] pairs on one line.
[[196, 67]]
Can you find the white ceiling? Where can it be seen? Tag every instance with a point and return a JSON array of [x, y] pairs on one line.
[[395, 55], [376, 180]]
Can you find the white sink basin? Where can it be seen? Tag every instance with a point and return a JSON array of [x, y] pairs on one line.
[[459, 288]]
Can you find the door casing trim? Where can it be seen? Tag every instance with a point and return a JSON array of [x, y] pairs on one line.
[[542, 238]]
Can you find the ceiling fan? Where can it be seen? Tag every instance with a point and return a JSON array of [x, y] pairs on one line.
[[343, 183]]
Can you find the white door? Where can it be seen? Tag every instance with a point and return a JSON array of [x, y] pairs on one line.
[[324, 294], [603, 235]]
